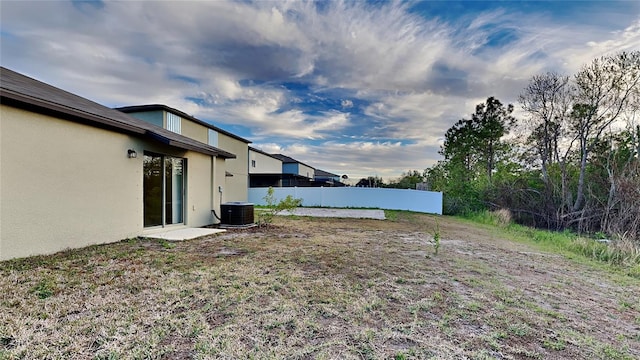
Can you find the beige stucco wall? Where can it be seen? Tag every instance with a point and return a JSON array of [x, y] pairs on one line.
[[264, 164], [68, 185], [199, 191], [219, 179], [236, 186], [195, 131], [65, 185], [305, 170]]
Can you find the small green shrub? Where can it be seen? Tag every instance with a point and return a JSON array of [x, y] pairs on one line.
[[166, 244], [391, 215], [436, 239], [44, 289], [265, 218], [554, 344]]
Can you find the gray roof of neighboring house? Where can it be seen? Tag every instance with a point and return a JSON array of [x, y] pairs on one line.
[[27, 93], [322, 173], [154, 107], [289, 160], [263, 153]]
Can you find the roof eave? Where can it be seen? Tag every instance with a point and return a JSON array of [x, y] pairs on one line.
[[205, 149], [25, 101]]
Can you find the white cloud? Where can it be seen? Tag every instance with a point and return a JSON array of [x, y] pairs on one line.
[[346, 104]]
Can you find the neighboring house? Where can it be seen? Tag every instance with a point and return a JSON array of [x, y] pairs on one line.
[[294, 172], [75, 173], [325, 178], [237, 182], [265, 170]]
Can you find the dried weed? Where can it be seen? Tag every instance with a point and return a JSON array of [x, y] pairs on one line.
[[317, 288]]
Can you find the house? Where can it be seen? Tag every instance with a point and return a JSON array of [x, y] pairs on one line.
[[237, 175], [325, 178], [277, 170], [294, 172], [75, 173], [265, 170]]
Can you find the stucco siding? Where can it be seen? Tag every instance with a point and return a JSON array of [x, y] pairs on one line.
[[219, 181], [195, 131], [65, 185], [264, 164], [236, 186], [199, 189], [305, 170]]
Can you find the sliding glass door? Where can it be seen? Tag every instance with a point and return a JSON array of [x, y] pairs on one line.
[[173, 190], [152, 188], [163, 189]]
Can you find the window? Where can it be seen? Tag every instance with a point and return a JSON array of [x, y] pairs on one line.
[[174, 123], [253, 163], [213, 138]]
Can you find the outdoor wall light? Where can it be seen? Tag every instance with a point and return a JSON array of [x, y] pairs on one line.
[[132, 154]]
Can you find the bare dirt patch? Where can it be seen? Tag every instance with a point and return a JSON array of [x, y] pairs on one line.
[[320, 288]]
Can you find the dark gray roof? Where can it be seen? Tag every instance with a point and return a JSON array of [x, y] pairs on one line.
[[154, 107], [285, 159], [263, 153], [27, 93], [322, 173], [289, 160]]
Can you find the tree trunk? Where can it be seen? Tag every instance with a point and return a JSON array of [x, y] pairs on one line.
[[583, 167], [490, 161]]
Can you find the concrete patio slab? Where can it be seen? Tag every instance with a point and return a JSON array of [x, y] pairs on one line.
[[183, 234], [337, 213]]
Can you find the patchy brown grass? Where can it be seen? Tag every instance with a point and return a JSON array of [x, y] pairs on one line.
[[322, 289]]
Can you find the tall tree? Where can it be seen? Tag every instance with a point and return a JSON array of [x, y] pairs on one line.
[[371, 181], [478, 141], [546, 101], [471, 149], [491, 121], [407, 180], [577, 166], [459, 145], [604, 90]]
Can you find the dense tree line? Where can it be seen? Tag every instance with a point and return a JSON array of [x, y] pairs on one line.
[[407, 180], [571, 161]]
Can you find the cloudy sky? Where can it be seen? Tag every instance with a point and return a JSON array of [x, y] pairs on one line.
[[358, 88]]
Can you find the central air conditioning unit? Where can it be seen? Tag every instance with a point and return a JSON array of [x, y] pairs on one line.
[[237, 213]]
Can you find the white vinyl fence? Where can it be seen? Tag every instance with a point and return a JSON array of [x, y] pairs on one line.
[[356, 197]]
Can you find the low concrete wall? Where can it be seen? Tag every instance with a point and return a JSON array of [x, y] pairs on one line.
[[355, 197]]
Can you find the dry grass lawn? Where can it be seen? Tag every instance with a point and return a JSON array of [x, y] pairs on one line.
[[319, 289]]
